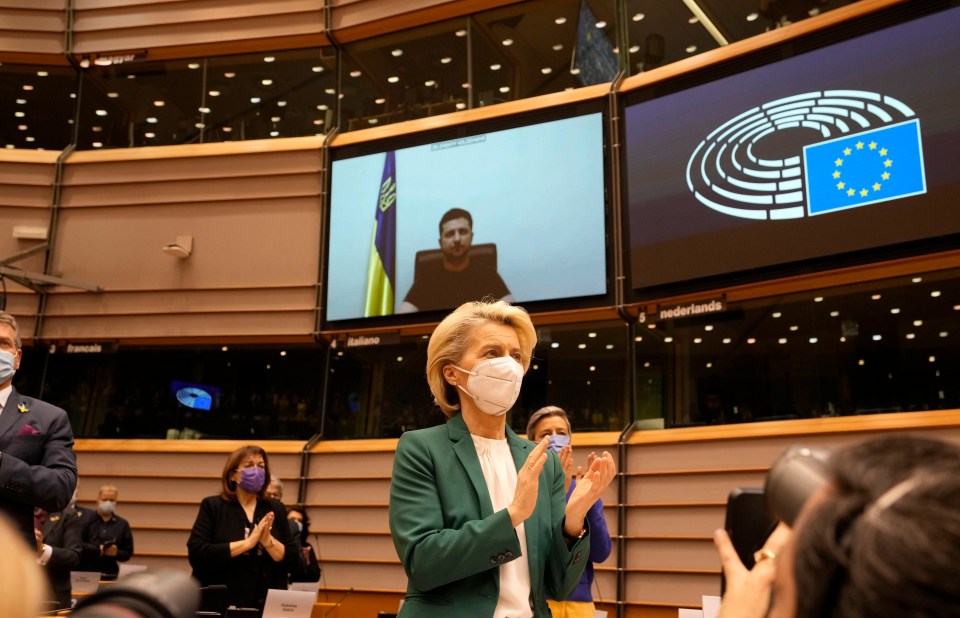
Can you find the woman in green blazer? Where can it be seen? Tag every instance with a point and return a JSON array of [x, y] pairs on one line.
[[477, 513]]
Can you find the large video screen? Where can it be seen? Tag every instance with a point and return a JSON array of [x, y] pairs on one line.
[[516, 213], [842, 150]]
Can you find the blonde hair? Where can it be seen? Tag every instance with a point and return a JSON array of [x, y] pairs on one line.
[[23, 584], [112, 488], [452, 337]]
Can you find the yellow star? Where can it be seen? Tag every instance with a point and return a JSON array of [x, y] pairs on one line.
[[859, 145], [847, 151], [840, 185], [850, 192], [838, 162], [887, 163], [863, 192], [883, 152], [876, 186], [836, 174], [873, 145], [885, 175]]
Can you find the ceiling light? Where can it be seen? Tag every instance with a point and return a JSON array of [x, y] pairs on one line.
[[193, 65], [558, 47], [668, 339], [593, 367], [461, 32], [554, 345], [697, 340], [446, 60], [709, 365], [581, 346], [877, 337], [727, 340], [507, 42], [199, 125], [203, 110], [254, 100], [861, 362], [646, 364], [24, 101], [430, 83], [935, 294], [918, 322], [30, 138], [638, 338], [19, 114], [494, 67], [638, 17], [22, 127], [546, 70], [42, 74], [113, 95], [818, 299], [101, 112], [269, 59], [317, 69], [776, 314], [895, 310], [691, 49], [560, 21], [911, 336], [504, 89], [393, 79], [875, 297], [461, 105], [152, 120], [355, 73], [944, 333], [266, 82], [693, 20], [96, 129], [159, 103], [932, 359], [574, 71], [275, 119], [794, 328], [329, 91], [380, 101], [229, 74], [708, 327], [751, 341], [634, 49], [782, 340], [396, 53], [592, 335], [97, 145], [214, 93], [318, 121], [274, 133], [601, 24], [150, 135], [917, 279], [753, 16], [609, 346], [323, 107], [834, 314]]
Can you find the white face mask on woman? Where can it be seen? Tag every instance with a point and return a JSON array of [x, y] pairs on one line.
[[494, 384]]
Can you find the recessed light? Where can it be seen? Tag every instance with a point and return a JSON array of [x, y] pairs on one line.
[[944, 333], [782, 340], [193, 65], [329, 91], [275, 119], [794, 328], [461, 32], [266, 82], [546, 70], [24, 101], [918, 322], [317, 69], [861, 362], [42, 74], [558, 47], [461, 105], [504, 89], [380, 101], [446, 60], [592, 335], [199, 125], [113, 95], [709, 365], [152, 120], [27, 87], [22, 127], [494, 67], [875, 297], [581, 346], [159, 103], [638, 17], [693, 20], [97, 144], [560, 21], [776, 314], [574, 71], [609, 346], [593, 367], [818, 299], [393, 79], [895, 310], [634, 49], [203, 110], [396, 53], [668, 339], [917, 279], [323, 107], [229, 74], [274, 133], [30, 138], [269, 59], [751, 341], [355, 73], [813, 339], [601, 24], [727, 340], [935, 294], [150, 134], [101, 112], [932, 359], [254, 100], [911, 336], [638, 338], [507, 42], [834, 314], [555, 345], [708, 327], [19, 114], [697, 340], [753, 16], [877, 337], [691, 48], [647, 364]]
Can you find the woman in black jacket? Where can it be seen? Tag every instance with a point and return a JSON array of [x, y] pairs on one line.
[[309, 570], [241, 538]]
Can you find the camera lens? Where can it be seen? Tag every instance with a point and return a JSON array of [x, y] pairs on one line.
[[793, 478]]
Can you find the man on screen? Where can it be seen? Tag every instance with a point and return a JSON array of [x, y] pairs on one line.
[[456, 279]]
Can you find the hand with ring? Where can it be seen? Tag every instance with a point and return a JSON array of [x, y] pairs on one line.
[[528, 484], [748, 593]]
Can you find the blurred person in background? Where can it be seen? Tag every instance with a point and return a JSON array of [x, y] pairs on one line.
[[552, 422], [274, 488], [300, 528], [58, 549], [107, 538]]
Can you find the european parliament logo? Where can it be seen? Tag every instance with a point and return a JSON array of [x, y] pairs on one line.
[[870, 151]]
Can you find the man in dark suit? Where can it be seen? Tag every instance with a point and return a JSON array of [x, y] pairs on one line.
[[38, 467], [58, 549]]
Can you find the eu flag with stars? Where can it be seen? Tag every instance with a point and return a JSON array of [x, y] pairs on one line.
[[381, 281], [866, 168]]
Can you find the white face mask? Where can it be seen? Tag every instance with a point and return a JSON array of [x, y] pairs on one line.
[[494, 384], [107, 506], [7, 361]]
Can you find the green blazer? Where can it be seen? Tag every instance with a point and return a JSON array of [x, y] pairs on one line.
[[450, 541]]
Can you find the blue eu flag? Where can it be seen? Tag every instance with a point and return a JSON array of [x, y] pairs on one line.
[[866, 168]]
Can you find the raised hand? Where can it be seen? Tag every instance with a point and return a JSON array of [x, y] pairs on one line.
[[590, 487], [262, 531], [748, 593], [528, 483], [566, 460]]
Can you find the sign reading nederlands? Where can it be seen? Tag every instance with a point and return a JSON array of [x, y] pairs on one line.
[[685, 310]]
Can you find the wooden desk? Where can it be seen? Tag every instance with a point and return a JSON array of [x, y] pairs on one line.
[[325, 610]]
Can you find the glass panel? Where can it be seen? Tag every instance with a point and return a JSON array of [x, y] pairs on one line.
[[38, 105], [864, 349]]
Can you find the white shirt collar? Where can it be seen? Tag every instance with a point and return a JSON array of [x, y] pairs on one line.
[[4, 396]]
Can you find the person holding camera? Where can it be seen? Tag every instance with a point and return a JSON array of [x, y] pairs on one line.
[[107, 539], [871, 531], [241, 538]]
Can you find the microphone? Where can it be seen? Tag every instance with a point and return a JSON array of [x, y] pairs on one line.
[[339, 601]]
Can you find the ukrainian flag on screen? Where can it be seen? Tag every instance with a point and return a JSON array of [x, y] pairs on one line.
[[866, 168], [383, 247]]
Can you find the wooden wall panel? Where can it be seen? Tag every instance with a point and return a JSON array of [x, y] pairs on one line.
[[27, 181], [36, 27], [253, 210], [105, 26]]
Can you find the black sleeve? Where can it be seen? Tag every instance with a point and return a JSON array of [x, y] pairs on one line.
[[204, 549], [125, 543], [66, 557]]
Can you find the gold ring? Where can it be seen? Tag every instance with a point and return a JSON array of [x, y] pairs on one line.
[[763, 554]]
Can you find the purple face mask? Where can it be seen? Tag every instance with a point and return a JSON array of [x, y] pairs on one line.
[[251, 479], [557, 442]]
